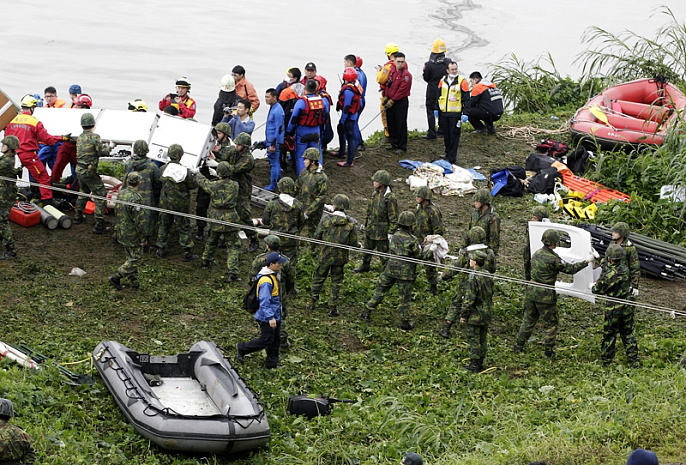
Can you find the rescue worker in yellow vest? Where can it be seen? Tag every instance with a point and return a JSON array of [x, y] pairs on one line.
[[382, 75], [453, 109]]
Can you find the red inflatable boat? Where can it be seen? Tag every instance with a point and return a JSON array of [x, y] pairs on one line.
[[636, 112]]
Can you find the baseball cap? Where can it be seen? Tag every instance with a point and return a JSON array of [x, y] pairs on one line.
[[311, 65], [275, 257]]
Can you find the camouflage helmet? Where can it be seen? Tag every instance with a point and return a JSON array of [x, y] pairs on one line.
[[223, 127], [406, 219], [6, 408], [483, 196], [621, 228], [341, 202], [12, 142], [286, 186], [540, 212], [614, 252], [175, 152], [477, 235], [424, 192], [223, 169], [274, 242], [383, 177], [133, 178], [312, 154], [87, 120], [550, 237], [479, 256], [140, 147], [243, 139]]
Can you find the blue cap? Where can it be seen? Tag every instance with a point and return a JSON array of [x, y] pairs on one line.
[[75, 89], [275, 257], [642, 457]]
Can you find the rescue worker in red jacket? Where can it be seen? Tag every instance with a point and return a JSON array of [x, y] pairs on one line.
[[397, 103], [350, 105], [382, 74], [309, 114], [453, 108], [486, 104], [30, 131], [66, 154], [182, 101]]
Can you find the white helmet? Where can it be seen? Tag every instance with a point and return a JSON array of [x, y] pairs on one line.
[[227, 84]]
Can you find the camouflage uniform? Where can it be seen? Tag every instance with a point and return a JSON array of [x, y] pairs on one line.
[[89, 149], [457, 301], [242, 165], [475, 237], [339, 229], [490, 222], [630, 260], [8, 197], [542, 302], [404, 244], [311, 188], [476, 310], [131, 233], [176, 197], [428, 221], [381, 220], [285, 214], [614, 281], [15, 445], [202, 198], [149, 190], [223, 200]]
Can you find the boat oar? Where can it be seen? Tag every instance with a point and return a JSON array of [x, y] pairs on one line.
[[598, 113]]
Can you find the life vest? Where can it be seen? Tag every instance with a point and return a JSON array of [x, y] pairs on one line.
[[355, 103], [313, 114], [450, 98]]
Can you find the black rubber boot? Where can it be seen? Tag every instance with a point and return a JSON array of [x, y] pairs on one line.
[[445, 330], [188, 256], [160, 253], [406, 325], [362, 268], [79, 218], [115, 281], [200, 236], [474, 366], [364, 316], [232, 278], [333, 311], [100, 228], [549, 352], [517, 348], [9, 253]]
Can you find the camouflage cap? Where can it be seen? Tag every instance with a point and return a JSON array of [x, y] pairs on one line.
[[87, 120], [274, 242], [140, 147], [423, 192], [540, 212], [175, 152], [621, 228], [286, 186], [406, 219], [614, 252], [133, 178], [476, 235], [6, 408], [479, 256], [243, 139], [550, 237], [312, 154], [382, 176], [223, 127], [341, 202], [12, 142], [483, 196], [223, 169]]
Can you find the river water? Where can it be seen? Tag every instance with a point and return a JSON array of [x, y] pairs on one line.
[[127, 49]]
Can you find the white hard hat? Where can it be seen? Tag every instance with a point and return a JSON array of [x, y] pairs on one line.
[[227, 84]]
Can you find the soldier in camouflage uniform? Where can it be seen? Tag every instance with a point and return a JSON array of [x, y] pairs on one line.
[[382, 218], [177, 183], [336, 228], [311, 188], [219, 152], [484, 216], [15, 443], [476, 238], [89, 149], [476, 310], [614, 281], [8, 193], [399, 272], [429, 221], [149, 189], [285, 214], [542, 302], [223, 201], [620, 236], [539, 213], [131, 229], [242, 164]]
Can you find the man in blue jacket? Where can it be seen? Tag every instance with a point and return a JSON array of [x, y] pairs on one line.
[[309, 114], [273, 134], [268, 316]]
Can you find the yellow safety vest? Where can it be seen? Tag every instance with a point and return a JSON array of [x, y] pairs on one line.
[[450, 100]]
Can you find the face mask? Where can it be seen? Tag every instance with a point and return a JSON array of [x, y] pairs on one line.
[[452, 76]]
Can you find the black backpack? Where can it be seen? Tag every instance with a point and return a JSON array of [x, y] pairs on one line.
[[544, 181], [251, 303], [577, 160]]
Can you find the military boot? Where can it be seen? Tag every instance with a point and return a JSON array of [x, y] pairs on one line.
[[474, 366], [115, 281], [333, 311], [188, 255], [100, 228], [135, 285], [200, 235], [549, 352], [445, 330], [232, 278], [364, 316], [206, 263], [79, 218], [9, 253], [518, 348], [160, 253], [362, 268], [405, 325]]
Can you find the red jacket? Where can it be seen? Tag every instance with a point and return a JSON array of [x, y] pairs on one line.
[[186, 110], [29, 131], [320, 79], [246, 91], [400, 83]]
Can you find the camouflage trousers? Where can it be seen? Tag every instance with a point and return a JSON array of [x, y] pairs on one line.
[[182, 223], [619, 321], [233, 245], [404, 292], [319, 277], [5, 230], [129, 269], [477, 340], [243, 210], [431, 274], [91, 183], [533, 310], [373, 244]]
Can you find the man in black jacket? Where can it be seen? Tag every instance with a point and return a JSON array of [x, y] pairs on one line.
[[434, 70]]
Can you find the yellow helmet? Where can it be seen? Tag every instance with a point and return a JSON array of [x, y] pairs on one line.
[[438, 46], [391, 48], [138, 105], [29, 101]]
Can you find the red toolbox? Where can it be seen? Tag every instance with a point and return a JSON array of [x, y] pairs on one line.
[[25, 214]]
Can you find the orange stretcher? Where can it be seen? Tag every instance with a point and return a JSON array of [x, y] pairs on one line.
[[592, 191]]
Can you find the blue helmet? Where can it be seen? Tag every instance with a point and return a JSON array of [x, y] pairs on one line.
[[39, 98], [75, 89]]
